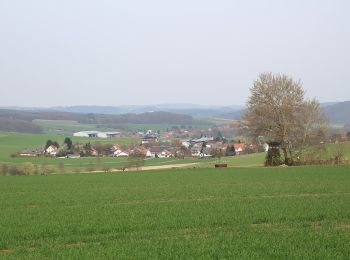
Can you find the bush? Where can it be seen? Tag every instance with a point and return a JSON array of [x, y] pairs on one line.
[[4, 169], [91, 168], [46, 169], [60, 167], [28, 168], [16, 171], [106, 169]]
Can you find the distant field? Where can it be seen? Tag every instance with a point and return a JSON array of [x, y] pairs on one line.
[[236, 213], [64, 127]]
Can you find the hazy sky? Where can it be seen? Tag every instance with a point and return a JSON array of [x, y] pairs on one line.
[[180, 51]]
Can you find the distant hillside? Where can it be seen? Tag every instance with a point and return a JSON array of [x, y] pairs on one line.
[[14, 125], [338, 113], [185, 109], [236, 115], [144, 118]]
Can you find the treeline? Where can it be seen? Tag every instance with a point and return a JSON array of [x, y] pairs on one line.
[[22, 126], [144, 118]]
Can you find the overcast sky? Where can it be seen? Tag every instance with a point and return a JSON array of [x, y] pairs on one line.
[[181, 51]]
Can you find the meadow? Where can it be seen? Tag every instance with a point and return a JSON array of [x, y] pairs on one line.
[[242, 213]]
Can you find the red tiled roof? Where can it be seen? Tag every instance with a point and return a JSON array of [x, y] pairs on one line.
[[240, 146]]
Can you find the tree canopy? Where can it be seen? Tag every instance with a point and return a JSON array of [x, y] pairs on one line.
[[278, 110]]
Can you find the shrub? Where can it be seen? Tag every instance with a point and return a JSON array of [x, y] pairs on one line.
[[91, 168], [106, 169], [16, 171], [4, 169], [28, 168], [60, 167]]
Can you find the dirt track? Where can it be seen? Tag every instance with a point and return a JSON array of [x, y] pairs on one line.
[[160, 167]]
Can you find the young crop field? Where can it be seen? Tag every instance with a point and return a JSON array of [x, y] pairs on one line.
[[241, 213]]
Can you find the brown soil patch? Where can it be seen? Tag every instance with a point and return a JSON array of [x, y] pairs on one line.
[[167, 166]]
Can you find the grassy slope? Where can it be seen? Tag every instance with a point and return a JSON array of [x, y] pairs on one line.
[[283, 213]]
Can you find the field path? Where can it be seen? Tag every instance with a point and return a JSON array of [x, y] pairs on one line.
[[158, 167]]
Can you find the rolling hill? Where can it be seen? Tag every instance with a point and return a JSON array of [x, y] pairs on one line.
[[22, 120], [337, 113]]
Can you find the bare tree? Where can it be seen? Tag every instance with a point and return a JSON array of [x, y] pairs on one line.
[[277, 110]]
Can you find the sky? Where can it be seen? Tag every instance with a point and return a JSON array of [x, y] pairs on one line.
[[136, 52]]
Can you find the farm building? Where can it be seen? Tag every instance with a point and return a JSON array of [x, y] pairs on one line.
[[108, 134], [86, 134], [97, 134]]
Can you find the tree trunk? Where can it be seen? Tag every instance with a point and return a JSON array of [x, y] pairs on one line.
[[286, 158]]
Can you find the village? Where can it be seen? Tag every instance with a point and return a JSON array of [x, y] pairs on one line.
[[177, 143]]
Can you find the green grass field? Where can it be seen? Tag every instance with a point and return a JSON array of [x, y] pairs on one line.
[[240, 213]]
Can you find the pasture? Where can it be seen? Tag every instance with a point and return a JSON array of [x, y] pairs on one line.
[[242, 213]]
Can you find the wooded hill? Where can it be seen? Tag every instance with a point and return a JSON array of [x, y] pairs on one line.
[[337, 113], [21, 121]]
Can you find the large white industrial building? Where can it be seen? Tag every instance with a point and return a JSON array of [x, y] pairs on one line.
[[97, 134]]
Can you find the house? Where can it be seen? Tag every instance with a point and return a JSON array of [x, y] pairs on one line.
[[165, 154], [122, 154], [149, 139], [202, 139], [141, 150], [116, 152], [115, 147], [195, 153], [239, 148], [187, 144], [52, 150], [94, 152]]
